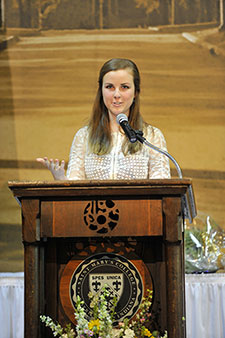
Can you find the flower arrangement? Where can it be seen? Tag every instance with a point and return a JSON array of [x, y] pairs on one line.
[[204, 245], [100, 325]]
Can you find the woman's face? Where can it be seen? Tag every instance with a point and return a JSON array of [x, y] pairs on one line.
[[118, 92]]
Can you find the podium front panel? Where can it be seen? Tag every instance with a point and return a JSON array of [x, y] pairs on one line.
[[111, 217]]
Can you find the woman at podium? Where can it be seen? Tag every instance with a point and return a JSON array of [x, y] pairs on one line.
[[102, 150]]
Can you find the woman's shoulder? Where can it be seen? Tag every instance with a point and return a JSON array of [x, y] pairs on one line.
[[80, 136], [82, 132], [152, 131]]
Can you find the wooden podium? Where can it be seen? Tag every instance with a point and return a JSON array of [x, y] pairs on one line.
[[59, 223]]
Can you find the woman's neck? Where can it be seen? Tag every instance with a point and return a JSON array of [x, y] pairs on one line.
[[114, 126]]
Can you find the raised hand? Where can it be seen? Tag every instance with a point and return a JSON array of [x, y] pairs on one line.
[[57, 169]]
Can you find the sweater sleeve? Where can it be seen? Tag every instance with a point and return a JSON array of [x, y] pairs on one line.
[[75, 170], [158, 163]]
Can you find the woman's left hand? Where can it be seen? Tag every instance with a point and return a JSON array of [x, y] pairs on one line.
[[57, 169]]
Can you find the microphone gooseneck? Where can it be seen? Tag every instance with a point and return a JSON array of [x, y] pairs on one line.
[[134, 136], [189, 209]]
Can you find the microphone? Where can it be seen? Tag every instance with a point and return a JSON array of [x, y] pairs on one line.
[[189, 209], [122, 120]]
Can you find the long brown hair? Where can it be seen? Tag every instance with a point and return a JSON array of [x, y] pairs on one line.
[[99, 125]]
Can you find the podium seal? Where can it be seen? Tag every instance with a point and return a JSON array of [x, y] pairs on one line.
[[123, 278], [111, 271]]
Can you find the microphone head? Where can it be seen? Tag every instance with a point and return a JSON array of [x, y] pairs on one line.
[[121, 118]]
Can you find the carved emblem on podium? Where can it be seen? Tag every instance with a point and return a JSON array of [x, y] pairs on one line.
[[122, 278], [118, 274], [101, 216]]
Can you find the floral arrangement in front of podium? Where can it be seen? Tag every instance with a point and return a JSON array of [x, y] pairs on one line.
[[100, 325]]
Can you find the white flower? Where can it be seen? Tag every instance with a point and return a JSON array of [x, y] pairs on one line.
[[116, 333], [129, 333]]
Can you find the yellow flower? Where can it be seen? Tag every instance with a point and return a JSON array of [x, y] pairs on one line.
[[147, 333], [94, 325]]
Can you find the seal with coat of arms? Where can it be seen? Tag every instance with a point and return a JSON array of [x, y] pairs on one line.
[[111, 271]]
